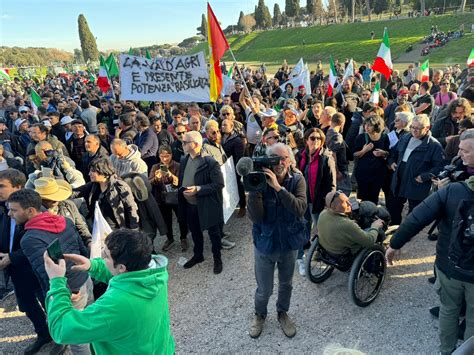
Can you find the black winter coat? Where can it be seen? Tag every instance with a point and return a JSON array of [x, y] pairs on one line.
[[209, 198], [426, 159], [443, 128]]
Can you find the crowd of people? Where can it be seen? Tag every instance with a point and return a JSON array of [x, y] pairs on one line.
[[141, 163]]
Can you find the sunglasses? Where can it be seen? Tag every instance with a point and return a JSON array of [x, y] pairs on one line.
[[226, 114], [213, 132], [336, 195], [180, 133], [314, 138], [23, 112], [444, 84]]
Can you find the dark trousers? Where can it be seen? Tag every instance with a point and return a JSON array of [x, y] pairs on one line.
[[240, 187], [192, 217], [30, 300], [395, 207], [369, 191], [167, 213]]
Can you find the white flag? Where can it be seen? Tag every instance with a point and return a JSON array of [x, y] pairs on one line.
[[100, 230], [349, 70], [296, 71]]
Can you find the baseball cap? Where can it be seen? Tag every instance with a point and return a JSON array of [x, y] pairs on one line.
[[2, 120], [269, 112], [23, 108], [46, 123], [300, 87], [66, 120], [402, 92], [76, 121], [19, 122], [291, 108]]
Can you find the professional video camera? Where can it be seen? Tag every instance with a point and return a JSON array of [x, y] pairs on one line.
[[453, 173], [366, 212], [251, 169]]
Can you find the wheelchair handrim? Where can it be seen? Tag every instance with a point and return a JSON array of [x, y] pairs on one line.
[[373, 280]]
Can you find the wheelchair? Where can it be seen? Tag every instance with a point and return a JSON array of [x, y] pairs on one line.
[[367, 270]]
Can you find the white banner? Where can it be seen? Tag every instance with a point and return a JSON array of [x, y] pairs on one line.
[[230, 193], [176, 79]]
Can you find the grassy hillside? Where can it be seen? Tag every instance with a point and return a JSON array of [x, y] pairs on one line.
[[348, 40]]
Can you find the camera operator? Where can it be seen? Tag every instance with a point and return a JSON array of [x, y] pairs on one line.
[[278, 232], [450, 205]]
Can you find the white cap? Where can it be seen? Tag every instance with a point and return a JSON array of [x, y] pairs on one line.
[[66, 120], [23, 108], [269, 112], [46, 123], [19, 122]]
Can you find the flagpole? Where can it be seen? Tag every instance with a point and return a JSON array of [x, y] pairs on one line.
[[238, 70]]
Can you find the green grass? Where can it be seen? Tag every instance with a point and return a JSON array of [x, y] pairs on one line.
[[346, 41]]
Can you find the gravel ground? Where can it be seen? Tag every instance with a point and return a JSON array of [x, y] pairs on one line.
[[212, 313]]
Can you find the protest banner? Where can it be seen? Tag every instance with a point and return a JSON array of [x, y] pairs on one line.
[[230, 193], [176, 79]]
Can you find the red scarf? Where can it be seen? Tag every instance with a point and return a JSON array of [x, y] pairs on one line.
[[312, 170]]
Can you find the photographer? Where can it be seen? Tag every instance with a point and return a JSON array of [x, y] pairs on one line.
[[453, 206], [278, 232]]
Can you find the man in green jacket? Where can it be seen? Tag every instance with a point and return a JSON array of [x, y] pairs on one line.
[[132, 316], [337, 233]]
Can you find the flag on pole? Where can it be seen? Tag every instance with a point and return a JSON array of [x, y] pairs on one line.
[[112, 67], [332, 77], [349, 70], [217, 46], [374, 98], [383, 62], [425, 71], [130, 51], [103, 79], [92, 77], [299, 67], [35, 100], [470, 60], [147, 54], [4, 75]]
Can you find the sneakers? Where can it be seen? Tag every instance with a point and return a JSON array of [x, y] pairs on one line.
[[287, 325], [257, 326], [217, 266], [301, 268], [434, 311], [227, 244], [433, 236], [432, 279], [184, 245], [168, 244], [193, 261], [37, 345]]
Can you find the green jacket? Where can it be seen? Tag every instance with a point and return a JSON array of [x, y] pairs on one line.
[[337, 233], [131, 317]]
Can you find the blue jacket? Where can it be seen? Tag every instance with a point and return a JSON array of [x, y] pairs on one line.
[[426, 159], [278, 217], [147, 142]]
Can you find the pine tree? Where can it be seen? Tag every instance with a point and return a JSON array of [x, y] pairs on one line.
[[292, 8], [259, 14], [277, 18], [310, 8], [88, 43], [240, 25], [266, 17], [202, 30]]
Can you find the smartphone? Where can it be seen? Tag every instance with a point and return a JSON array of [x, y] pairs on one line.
[[163, 168], [46, 172], [54, 251]]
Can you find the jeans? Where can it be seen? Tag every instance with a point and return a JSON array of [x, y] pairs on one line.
[[452, 292], [312, 219], [264, 271], [86, 297], [214, 232]]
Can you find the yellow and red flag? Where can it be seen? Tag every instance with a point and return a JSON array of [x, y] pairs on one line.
[[217, 47]]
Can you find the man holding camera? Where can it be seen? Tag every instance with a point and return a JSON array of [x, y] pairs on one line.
[[453, 207], [278, 231]]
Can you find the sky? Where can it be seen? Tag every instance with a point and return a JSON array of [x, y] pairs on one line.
[[116, 24]]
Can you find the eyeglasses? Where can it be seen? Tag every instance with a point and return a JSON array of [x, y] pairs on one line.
[[336, 195], [314, 138], [418, 129], [213, 132], [117, 107], [70, 100], [187, 142], [273, 137], [180, 133], [225, 113], [443, 84]]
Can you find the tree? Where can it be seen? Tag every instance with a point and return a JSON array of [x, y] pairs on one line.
[[248, 22], [88, 43], [380, 6], [319, 10], [277, 18], [310, 8], [202, 30], [292, 8], [78, 57], [262, 15], [240, 27]]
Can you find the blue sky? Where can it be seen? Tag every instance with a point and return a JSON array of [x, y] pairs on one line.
[[117, 24]]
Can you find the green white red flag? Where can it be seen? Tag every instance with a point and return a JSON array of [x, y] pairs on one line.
[[103, 79], [4, 75], [35, 100], [332, 77], [470, 60], [383, 62], [425, 71], [374, 98]]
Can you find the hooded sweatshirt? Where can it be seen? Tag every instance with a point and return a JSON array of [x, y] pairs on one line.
[[131, 163], [42, 230], [131, 317]]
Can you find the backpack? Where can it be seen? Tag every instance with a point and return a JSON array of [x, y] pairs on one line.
[[461, 245]]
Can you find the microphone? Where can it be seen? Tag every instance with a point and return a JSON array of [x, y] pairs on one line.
[[244, 166]]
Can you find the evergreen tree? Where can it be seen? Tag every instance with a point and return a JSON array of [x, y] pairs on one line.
[[319, 10], [88, 43], [202, 30], [240, 26], [292, 8], [310, 8], [266, 17], [277, 18], [259, 14]]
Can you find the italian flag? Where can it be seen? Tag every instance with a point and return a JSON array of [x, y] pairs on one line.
[[332, 77], [470, 60], [103, 79], [35, 100], [425, 71], [383, 62], [374, 98], [147, 54], [4, 75]]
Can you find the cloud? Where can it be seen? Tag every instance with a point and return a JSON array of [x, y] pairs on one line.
[[5, 17]]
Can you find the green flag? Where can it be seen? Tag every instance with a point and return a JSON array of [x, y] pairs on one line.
[[130, 51], [112, 67], [147, 54], [35, 100]]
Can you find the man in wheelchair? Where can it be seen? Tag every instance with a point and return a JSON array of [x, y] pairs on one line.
[[340, 235]]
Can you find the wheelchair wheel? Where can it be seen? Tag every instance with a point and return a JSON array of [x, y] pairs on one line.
[[316, 270], [367, 275]]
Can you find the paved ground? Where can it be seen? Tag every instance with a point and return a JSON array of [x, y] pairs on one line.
[[211, 313]]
